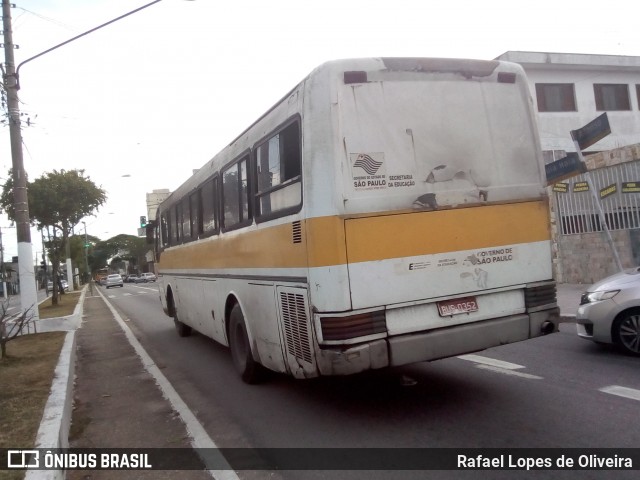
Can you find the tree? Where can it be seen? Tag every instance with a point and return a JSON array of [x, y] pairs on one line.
[[58, 201], [77, 248], [116, 250], [11, 326]]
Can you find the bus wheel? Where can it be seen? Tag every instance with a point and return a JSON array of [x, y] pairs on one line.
[[182, 329], [246, 366]]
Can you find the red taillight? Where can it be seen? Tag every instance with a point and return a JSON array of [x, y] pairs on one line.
[[352, 326]]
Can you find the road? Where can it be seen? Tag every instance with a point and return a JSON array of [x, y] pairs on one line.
[[557, 391]]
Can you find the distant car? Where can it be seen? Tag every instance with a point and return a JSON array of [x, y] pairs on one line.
[[114, 280], [609, 311], [131, 278], [148, 277], [49, 288]]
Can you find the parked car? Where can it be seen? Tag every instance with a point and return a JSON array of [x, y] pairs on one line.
[[114, 280], [131, 278], [148, 277], [609, 311]]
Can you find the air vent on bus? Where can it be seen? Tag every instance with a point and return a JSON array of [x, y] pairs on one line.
[[539, 294], [296, 326], [297, 232]]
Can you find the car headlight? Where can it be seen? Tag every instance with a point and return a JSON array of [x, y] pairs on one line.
[[601, 295]]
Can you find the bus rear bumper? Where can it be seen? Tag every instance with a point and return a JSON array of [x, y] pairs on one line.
[[358, 358], [447, 342], [435, 344]]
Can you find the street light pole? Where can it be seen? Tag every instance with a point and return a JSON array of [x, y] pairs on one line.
[[28, 292]]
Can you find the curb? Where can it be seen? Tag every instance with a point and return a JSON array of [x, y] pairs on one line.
[[56, 419], [567, 318]]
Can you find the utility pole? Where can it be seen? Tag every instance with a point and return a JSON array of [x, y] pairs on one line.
[[28, 292]]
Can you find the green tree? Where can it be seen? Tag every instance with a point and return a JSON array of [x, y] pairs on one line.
[[58, 201], [120, 249], [77, 243]]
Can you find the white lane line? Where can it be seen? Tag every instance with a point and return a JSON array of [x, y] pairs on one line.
[[505, 371], [625, 392], [199, 437], [490, 361], [498, 366]]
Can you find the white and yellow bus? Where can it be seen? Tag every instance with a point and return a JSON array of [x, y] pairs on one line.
[[386, 211]]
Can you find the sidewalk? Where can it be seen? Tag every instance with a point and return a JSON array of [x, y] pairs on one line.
[[117, 403]]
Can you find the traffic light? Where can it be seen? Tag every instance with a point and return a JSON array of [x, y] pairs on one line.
[[43, 265], [143, 221]]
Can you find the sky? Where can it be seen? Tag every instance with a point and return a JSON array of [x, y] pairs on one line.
[[141, 103]]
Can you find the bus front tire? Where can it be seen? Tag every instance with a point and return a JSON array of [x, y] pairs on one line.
[[243, 361]]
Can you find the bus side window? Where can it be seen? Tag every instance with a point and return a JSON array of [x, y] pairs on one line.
[[178, 224], [235, 194], [187, 233], [278, 172], [195, 206], [209, 202], [164, 230]]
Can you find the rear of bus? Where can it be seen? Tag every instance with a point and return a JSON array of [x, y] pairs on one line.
[[427, 221]]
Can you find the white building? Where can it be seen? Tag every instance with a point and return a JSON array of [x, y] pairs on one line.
[[154, 199], [569, 90]]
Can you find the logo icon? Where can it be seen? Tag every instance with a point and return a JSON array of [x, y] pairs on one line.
[[23, 459], [367, 163]]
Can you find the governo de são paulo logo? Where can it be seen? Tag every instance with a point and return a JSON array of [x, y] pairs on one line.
[[367, 163]]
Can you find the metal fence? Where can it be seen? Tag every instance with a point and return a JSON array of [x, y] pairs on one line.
[[617, 188]]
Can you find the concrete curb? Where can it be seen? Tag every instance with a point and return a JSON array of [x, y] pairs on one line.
[[56, 419]]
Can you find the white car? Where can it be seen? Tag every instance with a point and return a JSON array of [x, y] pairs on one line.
[[148, 277], [114, 280], [609, 311], [49, 288]]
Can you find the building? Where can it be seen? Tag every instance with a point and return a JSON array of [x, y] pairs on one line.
[[569, 91], [154, 199]]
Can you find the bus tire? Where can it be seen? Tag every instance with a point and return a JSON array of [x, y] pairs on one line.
[[240, 347], [182, 329]]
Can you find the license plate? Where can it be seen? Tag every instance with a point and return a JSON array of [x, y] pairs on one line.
[[457, 306]]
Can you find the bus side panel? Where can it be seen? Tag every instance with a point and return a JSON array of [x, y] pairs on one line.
[[258, 302], [189, 295]]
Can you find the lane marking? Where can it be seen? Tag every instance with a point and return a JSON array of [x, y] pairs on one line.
[[505, 371], [625, 392], [498, 366], [199, 437], [490, 361]]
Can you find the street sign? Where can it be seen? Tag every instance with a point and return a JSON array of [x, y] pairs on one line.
[[592, 132], [566, 167]]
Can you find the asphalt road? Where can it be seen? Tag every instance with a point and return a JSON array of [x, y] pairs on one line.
[[557, 391]]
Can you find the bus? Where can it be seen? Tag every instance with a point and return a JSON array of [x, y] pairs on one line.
[[385, 211]]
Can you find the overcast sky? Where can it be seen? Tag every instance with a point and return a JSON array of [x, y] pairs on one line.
[[157, 94]]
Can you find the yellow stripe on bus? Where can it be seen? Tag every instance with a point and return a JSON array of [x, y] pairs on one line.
[[426, 233], [332, 240]]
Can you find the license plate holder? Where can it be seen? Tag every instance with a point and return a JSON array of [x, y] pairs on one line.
[[457, 306]]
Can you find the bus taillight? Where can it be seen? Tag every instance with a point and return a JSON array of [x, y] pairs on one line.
[[353, 326]]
